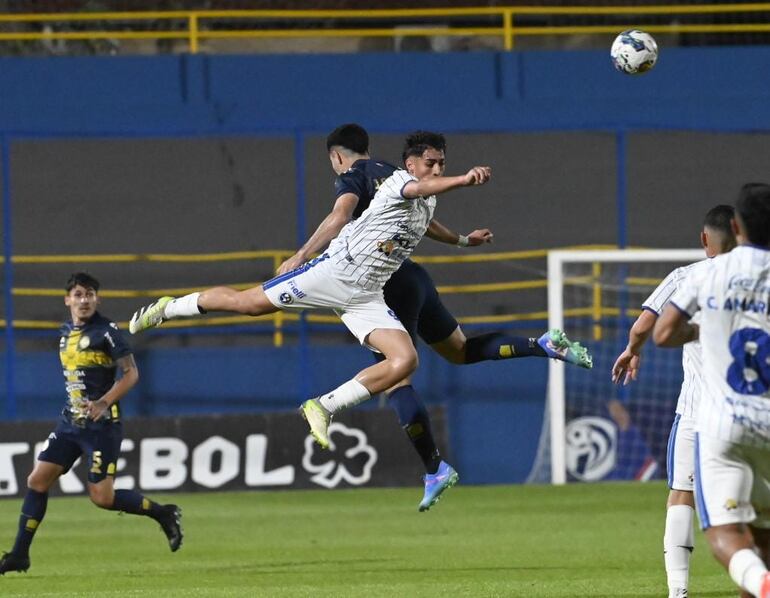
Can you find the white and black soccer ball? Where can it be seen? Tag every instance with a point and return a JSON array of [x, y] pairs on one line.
[[634, 52]]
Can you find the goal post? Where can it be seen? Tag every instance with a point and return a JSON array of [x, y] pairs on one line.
[[609, 287]]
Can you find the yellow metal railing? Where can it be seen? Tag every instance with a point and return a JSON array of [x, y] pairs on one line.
[[596, 311], [196, 26]]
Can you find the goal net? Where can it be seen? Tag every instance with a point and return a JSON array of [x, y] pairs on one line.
[[593, 429]]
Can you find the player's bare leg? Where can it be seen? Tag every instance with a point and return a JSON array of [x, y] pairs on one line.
[[251, 302], [678, 541], [400, 360], [733, 546], [399, 363]]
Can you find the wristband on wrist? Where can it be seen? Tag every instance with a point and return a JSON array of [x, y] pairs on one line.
[[463, 241]]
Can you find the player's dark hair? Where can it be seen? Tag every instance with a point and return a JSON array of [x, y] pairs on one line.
[[753, 208], [719, 217], [416, 143], [84, 279], [351, 136]]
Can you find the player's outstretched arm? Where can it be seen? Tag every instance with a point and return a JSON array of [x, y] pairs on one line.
[[330, 227], [439, 232], [478, 175], [629, 361], [673, 328]]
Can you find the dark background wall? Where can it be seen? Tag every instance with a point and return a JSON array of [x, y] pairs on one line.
[[224, 153]]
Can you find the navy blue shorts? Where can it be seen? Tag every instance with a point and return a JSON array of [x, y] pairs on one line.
[[410, 293], [100, 445]]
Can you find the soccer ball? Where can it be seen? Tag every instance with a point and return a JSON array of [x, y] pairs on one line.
[[634, 52]]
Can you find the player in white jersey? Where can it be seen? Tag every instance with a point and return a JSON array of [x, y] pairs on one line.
[[348, 278], [717, 237], [732, 479]]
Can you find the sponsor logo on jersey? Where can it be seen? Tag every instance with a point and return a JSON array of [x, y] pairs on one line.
[[295, 291], [285, 298], [84, 342], [386, 247]]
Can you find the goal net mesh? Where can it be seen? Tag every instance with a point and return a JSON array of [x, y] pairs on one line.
[[612, 431]]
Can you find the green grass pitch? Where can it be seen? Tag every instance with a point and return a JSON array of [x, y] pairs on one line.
[[579, 540]]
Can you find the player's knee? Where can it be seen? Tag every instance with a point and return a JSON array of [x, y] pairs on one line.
[[103, 500], [249, 305], [404, 365], [36, 483]]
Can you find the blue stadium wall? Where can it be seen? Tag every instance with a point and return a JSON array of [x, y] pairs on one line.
[[702, 88], [494, 409]]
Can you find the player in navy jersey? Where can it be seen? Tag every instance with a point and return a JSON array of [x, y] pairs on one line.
[[412, 295], [91, 350]]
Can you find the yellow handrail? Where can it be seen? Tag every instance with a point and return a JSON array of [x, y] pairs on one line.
[[276, 256], [194, 26]]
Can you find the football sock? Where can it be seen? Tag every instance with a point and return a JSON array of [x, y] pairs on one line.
[[349, 394], [678, 544], [183, 307], [32, 513], [747, 570], [132, 502], [413, 417], [496, 345]]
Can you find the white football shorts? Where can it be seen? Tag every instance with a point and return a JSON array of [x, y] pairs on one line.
[[315, 285], [732, 483], [680, 457]]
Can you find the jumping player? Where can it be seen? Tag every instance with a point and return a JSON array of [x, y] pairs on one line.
[[412, 295], [732, 444], [717, 237], [349, 277], [91, 350]]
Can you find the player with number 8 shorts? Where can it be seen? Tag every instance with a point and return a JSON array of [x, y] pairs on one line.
[[732, 477]]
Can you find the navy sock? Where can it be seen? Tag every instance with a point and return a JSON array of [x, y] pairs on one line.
[[413, 417], [132, 502], [32, 513], [496, 345]]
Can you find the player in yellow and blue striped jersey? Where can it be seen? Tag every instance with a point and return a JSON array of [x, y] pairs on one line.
[[91, 350]]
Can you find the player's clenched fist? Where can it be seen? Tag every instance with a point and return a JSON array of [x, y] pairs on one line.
[[478, 175]]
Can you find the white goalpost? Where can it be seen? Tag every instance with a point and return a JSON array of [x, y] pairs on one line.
[[595, 295]]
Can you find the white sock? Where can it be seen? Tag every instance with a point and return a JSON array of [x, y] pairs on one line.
[[677, 545], [349, 394], [182, 307], [747, 570]]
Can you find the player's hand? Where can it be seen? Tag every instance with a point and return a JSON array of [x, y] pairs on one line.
[[479, 237], [292, 263], [478, 175], [97, 409], [627, 364]]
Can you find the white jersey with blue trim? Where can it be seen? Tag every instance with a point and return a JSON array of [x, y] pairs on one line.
[[692, 363], [371, 248], [733, 295]]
